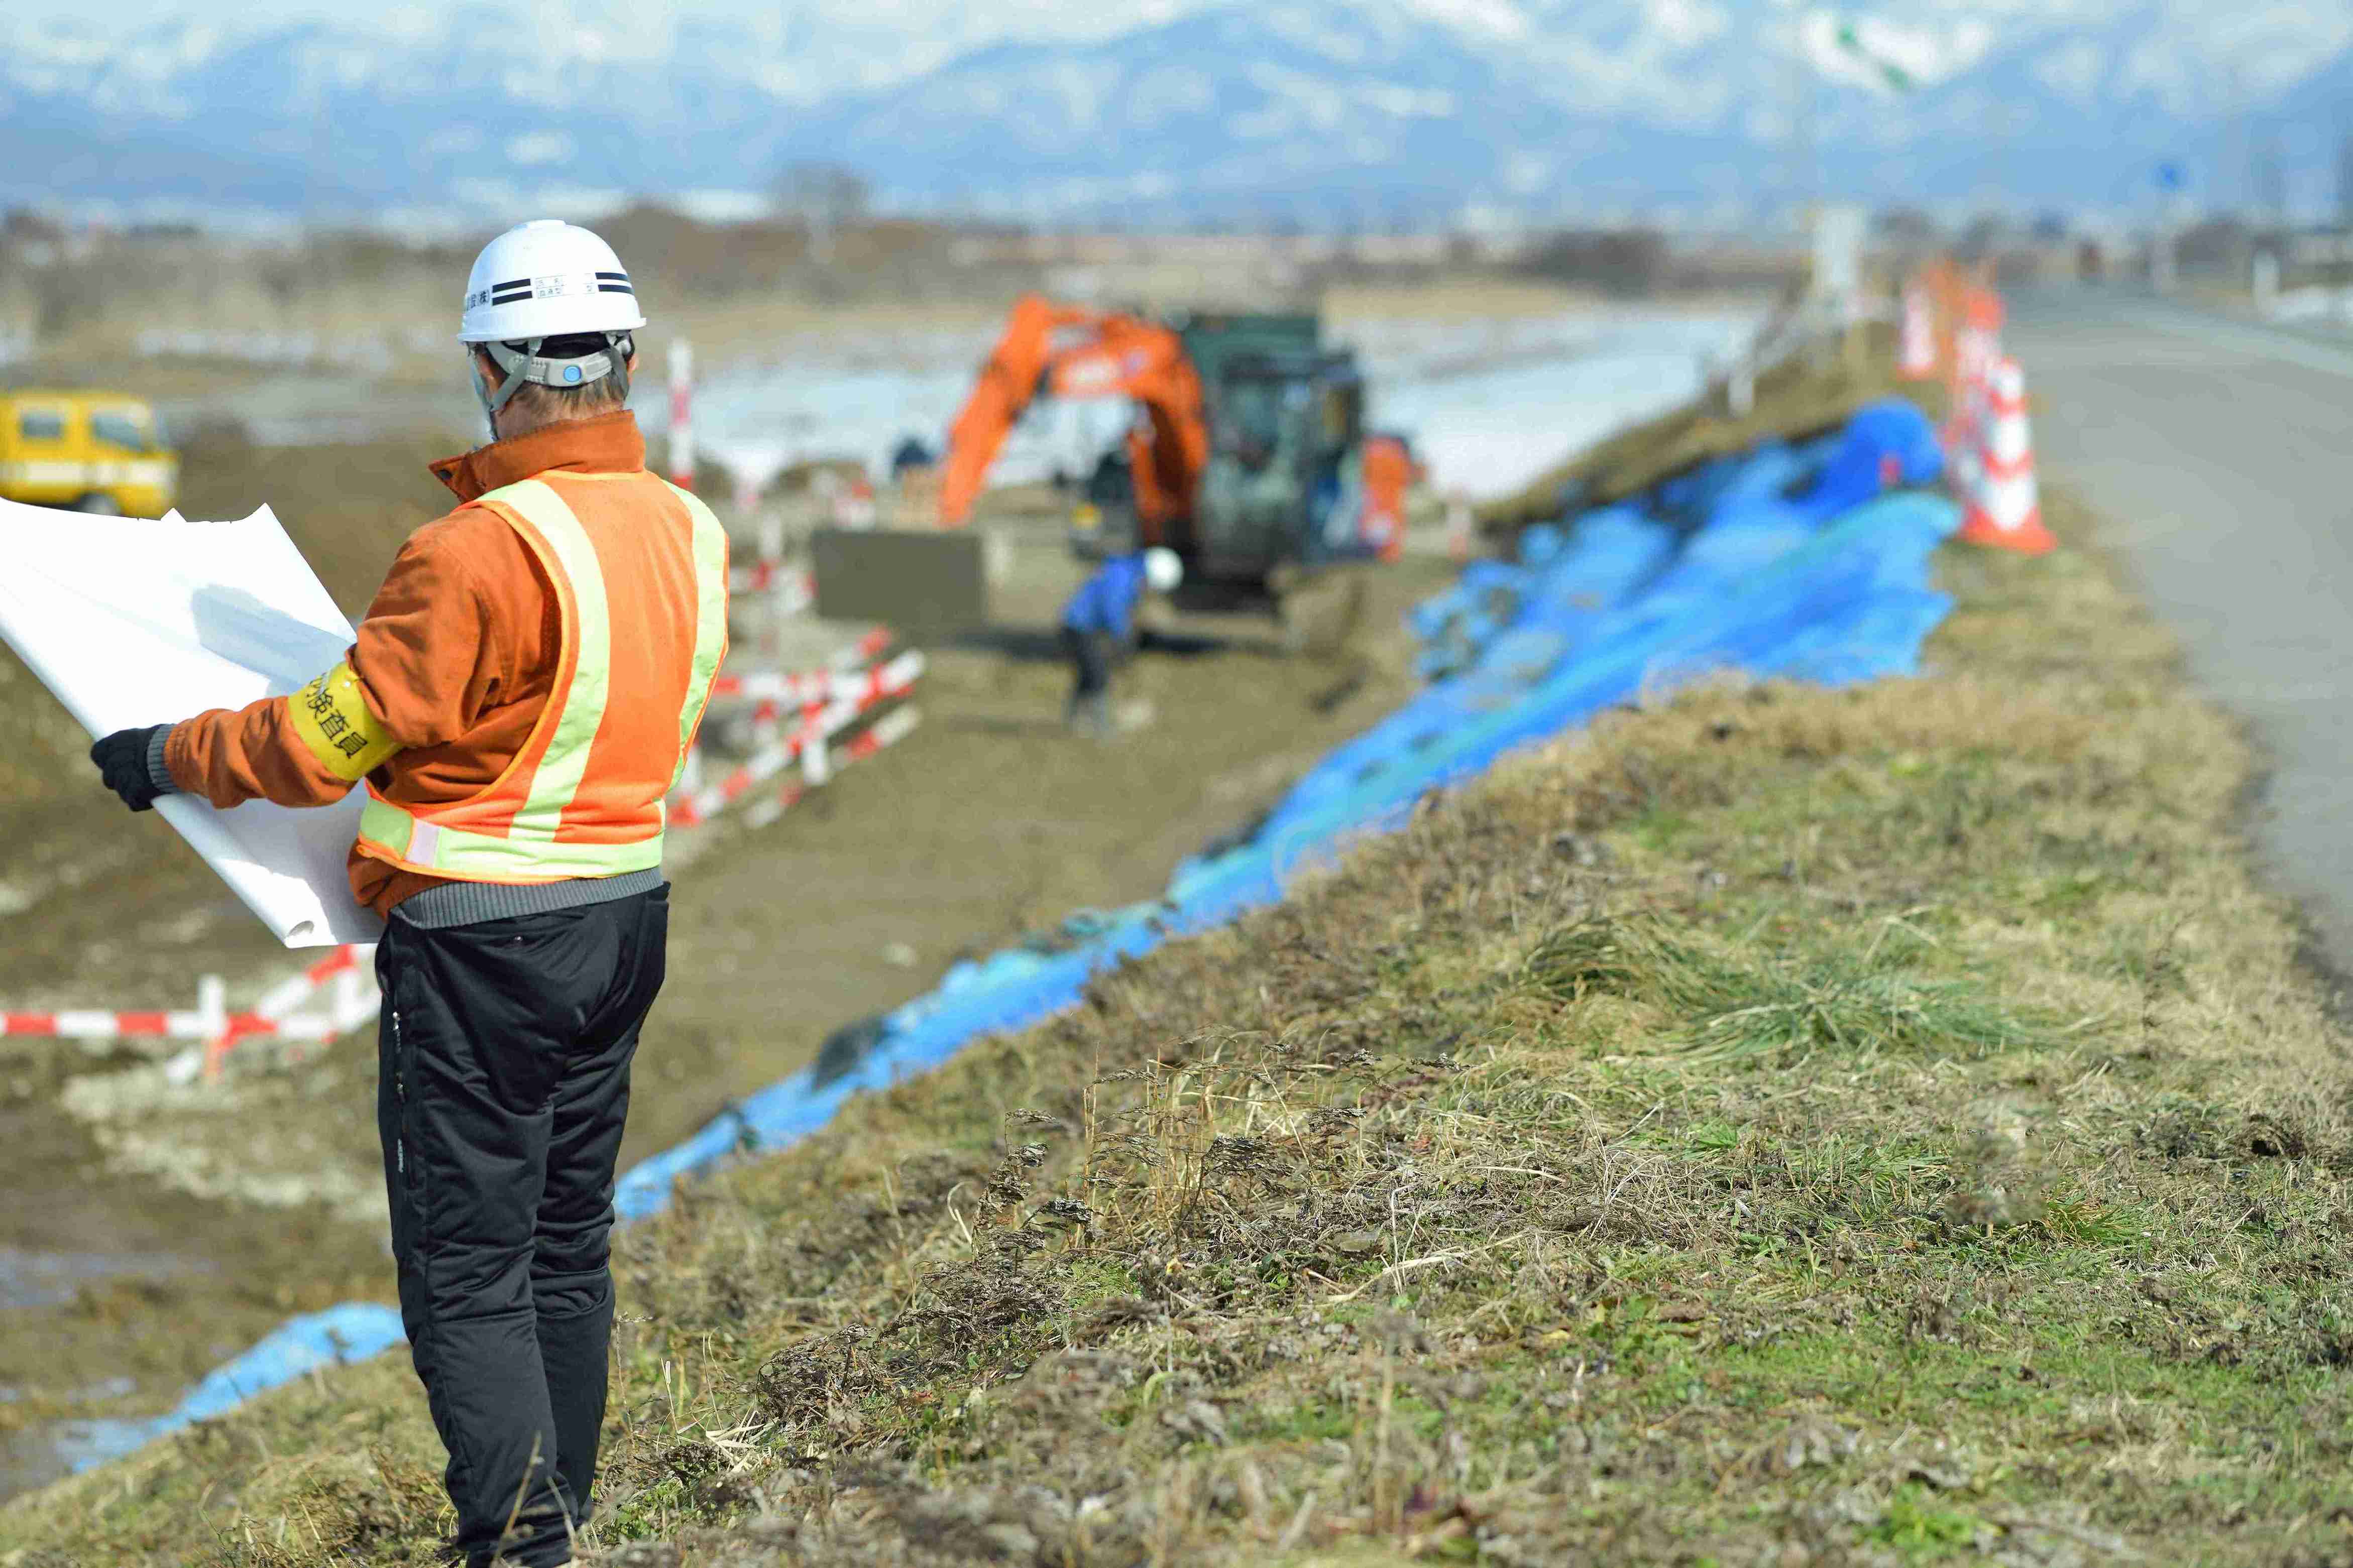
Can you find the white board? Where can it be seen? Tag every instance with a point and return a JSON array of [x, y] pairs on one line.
[[134, 622]]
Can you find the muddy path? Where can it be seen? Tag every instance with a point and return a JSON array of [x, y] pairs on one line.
[[159, 1230]]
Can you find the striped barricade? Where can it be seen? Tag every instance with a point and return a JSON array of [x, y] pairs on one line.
[[283, 1013], [351, 999], [794, 586], [848, 669], [892, 726], [809, 741], [840, 697]]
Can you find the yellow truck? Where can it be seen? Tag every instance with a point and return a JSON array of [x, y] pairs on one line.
[[92, 451]]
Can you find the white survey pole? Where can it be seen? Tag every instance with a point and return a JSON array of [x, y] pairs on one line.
[[681, 426]]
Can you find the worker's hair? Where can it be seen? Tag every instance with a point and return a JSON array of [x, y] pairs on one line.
[[542, 404]]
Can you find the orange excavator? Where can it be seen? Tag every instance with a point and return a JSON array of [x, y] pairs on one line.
[[1068, 351], [1250, 452]]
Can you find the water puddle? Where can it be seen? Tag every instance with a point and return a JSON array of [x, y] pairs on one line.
[[53, 1279]]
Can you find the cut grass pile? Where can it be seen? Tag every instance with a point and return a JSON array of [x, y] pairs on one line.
[[1780, 1127]]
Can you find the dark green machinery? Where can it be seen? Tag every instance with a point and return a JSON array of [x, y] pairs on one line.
[[1283, 476]]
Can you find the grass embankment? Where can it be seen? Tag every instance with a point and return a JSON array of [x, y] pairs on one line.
[[1783, 1127], [1812, 391]]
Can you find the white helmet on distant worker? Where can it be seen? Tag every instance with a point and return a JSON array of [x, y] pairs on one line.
[[1163, 569], [543, 280]]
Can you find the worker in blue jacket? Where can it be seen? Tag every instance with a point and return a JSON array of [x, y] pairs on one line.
[[1100, 621]]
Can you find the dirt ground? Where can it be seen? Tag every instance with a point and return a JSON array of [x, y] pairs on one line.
[[174, 1227]]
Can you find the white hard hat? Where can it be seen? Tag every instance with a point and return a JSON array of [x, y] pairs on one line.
[[543, 280], [1163, 569]]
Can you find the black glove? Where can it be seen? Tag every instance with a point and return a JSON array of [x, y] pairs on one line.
[[121, 760]]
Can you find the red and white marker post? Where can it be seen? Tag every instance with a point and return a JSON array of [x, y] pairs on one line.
[[1917, 358], [681, 424]]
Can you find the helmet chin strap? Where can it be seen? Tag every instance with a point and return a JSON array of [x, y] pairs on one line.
[[521, 361]]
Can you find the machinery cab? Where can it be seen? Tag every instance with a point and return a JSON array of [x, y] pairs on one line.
[[1283, 477]]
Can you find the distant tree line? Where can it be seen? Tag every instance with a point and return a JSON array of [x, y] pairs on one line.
[[1625, 263]]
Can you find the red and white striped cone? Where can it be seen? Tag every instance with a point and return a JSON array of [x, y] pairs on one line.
[[2005, 507], [1916, 357], [1976, 347]]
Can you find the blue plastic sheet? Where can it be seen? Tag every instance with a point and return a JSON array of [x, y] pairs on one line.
[[1718, 569], [355, 1331], [1884, 444]]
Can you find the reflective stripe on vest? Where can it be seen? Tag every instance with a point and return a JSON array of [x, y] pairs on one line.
[[526, 846]]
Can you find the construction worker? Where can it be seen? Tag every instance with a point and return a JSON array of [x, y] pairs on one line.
[[519, 700], [1100, 622]]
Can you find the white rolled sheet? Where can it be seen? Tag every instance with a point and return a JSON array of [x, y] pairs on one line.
[[134, 622]]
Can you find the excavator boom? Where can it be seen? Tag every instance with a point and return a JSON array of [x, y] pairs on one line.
[[1067, 350], [1008, 382]]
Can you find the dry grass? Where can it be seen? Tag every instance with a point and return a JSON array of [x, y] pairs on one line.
[[1783, 1127], [1800, 398]]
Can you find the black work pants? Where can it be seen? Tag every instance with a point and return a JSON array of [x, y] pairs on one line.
[[505, 1056], [1090, 660]]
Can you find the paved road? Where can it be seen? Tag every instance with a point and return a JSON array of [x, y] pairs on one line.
[[2223, 452]]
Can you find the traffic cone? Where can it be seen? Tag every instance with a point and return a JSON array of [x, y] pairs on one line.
[[1917, 358], [2004, 504], [1976, 348]]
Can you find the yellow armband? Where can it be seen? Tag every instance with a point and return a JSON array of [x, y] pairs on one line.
[[334, 721]]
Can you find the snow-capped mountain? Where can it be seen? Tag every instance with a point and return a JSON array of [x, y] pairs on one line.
[[1324, 112]]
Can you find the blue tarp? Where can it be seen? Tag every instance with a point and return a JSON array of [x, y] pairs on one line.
[[1717, 569], [1886, 443], [355, 1331]]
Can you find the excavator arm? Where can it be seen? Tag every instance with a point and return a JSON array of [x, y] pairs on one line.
[[1099, 354], [1007, 386]]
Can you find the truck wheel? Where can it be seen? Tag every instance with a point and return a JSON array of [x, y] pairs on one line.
[[98, 503]]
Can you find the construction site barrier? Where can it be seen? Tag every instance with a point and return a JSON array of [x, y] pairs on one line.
[[845, 693], [341, 983], [794, 588], [888, 730], [807, 686], [1714, 571], [805, 742]]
